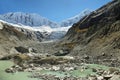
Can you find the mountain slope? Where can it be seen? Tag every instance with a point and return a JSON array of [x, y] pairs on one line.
[[27, 19], [97, 33], [12, 36]]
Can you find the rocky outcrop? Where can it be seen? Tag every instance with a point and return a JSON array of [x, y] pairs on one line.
[[98, 32]]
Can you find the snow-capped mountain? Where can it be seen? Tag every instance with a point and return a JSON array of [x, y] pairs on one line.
[[75, 19], [49, 29], [35, 20], [27, 19]]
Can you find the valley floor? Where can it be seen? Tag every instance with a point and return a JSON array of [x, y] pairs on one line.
[[44, 65]]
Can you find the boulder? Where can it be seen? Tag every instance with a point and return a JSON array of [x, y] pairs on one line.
[[10, 70], [107, 77], [32, 50], [86, 57], [100, 78], [115, 77], [92, 77], [112, 70], [22, 49], [94, 70], [55, 68], [62, 52]]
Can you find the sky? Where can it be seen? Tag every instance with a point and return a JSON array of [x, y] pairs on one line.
[[55, 10]]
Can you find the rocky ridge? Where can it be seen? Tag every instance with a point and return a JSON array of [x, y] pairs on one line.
[[97, 33]]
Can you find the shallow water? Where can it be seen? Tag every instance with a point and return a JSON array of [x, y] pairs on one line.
[[12, 76], [24, 75]]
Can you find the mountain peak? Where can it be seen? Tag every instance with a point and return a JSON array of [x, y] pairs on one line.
[[27, 19], [76, 18]]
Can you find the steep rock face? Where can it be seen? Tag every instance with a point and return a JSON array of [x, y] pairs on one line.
[[27, 19], [98, 32]]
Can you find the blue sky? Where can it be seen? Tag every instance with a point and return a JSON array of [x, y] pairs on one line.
[[55, 10]]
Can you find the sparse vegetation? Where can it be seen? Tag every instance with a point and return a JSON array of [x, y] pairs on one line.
[[21, 58], [69, 45], [81, 30]]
